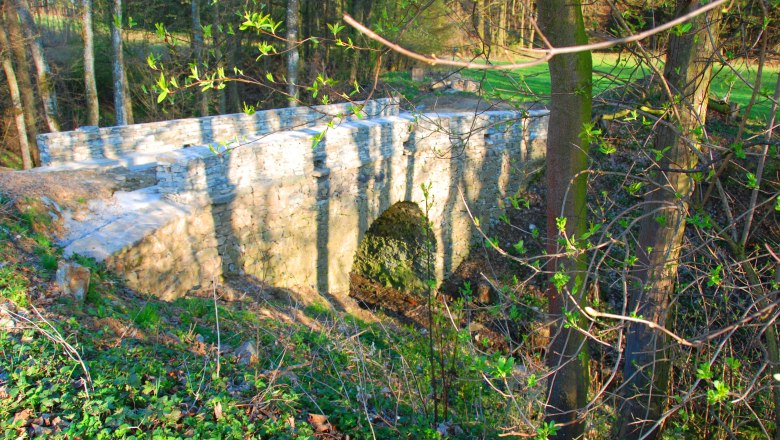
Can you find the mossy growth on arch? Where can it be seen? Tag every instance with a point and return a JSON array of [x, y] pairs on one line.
[[397, 251]]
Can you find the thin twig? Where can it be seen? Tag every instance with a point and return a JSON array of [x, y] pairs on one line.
[[596, 314]]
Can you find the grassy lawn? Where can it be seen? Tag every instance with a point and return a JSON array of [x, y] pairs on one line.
[[610, 70]]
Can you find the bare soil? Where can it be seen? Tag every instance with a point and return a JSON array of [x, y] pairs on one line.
[[71, 189]]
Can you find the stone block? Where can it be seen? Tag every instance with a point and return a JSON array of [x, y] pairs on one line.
[[73, 279]]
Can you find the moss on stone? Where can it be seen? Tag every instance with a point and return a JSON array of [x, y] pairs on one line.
[[393, 251]]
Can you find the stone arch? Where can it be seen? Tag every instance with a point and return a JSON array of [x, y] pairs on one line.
[[395, 259]]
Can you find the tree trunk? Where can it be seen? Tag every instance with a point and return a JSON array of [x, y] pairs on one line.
[[502, 25], [356, 10], [90, 85], [16, 100], [197, 51], [479, 16], [45, 83], [293, 59], [120, 101], [233, 98], [217, 38], [646, 368], [23, 79], [570, 108]]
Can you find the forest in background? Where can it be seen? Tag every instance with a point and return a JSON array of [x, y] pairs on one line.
[[176, 34]]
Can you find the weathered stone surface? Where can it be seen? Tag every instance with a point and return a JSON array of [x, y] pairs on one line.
[[88, 143], [73, 279], [291, 215], [246, 353]]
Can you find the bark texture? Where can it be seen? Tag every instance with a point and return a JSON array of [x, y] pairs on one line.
[[120, 90], [570, 109], [23, 79], [293, 58], [90, 85], [197, 52], [16, 100], [45, 82], [646, 368]]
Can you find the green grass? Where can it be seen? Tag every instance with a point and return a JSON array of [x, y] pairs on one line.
[[155, 374], [609, 70], [13, 285]]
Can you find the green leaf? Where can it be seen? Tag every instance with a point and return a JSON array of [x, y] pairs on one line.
[[151, 61], [560, 279], [335, 28], [720, 393], [752, 182], [161, 97], [704, 372], [715, 277], [560, 223], [269, 77], [739, 150]]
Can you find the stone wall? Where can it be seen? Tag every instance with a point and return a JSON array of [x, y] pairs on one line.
[[90, 143], [289, 214]]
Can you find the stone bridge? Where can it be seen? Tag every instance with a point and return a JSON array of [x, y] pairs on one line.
[[285, 196]]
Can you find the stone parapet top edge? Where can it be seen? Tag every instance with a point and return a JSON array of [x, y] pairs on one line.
[[328, 110], [197, 152]]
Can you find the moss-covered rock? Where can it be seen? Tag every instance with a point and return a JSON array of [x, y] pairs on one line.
[[395, 250]]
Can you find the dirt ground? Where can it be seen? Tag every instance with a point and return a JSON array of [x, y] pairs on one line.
[[71, 189]]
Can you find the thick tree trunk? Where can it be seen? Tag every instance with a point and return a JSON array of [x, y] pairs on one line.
[[90, 85], [45, 82], [120, 91], [23, 79], [646, 368], [293, 58], [570, 109], [16, 100], [197, 51]]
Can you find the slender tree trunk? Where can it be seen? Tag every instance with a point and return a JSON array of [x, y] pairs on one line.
[[293, 58], [128, 96], [217, 38], [120, 101], [356, 10], [646, 368], [45, 82], [233, 98], [570, 109], [16, 100], [23, 78], [502, 25], [197, 51], [93, 110], [479, 16]]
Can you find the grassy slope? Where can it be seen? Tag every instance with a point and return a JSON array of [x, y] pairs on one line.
[[155, 372]]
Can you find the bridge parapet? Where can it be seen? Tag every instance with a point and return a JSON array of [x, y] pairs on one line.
[[93, 143], [290, 213], [202, 171]]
